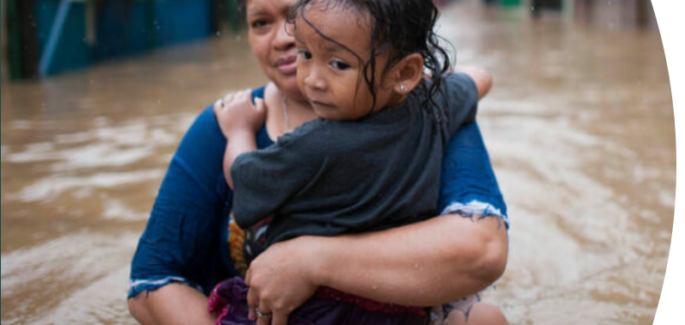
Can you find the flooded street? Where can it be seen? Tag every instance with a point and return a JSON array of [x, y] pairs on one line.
[[579, 126]]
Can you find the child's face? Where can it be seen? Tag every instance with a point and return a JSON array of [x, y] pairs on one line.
[[330, 76]]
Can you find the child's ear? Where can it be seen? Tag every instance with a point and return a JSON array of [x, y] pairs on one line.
[[407, 73]]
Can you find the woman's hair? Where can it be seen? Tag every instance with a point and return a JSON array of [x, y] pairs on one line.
[[401, 27]]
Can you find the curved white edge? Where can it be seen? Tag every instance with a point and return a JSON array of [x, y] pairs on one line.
[[671, 19]]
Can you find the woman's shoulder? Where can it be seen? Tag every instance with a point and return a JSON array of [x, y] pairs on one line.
[[271, 95], [259, 92]]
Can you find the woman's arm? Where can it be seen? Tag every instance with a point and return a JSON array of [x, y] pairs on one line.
[[424, 264], [433, 262], [177, 260], [172, 304]]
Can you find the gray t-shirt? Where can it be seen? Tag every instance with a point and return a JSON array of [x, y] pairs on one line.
[[329, 178]]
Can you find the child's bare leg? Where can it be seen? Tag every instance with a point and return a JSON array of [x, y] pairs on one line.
[[480, 314]]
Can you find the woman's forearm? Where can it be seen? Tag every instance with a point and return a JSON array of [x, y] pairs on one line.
[[173, 304], [422, 264]]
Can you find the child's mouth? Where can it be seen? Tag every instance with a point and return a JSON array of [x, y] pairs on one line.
[[321, 104]]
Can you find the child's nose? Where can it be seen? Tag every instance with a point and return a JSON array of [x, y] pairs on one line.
[[315, 81]]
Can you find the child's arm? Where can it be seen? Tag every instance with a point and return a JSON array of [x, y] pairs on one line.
[[266, 180], [239, 120]]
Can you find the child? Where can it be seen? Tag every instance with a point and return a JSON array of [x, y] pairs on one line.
[[372, 160]]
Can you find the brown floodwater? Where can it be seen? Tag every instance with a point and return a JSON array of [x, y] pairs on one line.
[[579, 126]]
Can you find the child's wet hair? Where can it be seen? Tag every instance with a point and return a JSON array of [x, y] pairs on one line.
[[402, 27]]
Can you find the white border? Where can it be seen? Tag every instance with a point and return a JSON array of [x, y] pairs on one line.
[[671, 18]]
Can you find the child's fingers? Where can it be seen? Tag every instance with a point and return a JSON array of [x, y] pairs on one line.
[[259, 105], [239, 97], [243, 96], [229, 98], [221, 103]]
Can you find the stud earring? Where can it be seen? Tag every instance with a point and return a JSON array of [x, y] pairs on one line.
[[403, 87]]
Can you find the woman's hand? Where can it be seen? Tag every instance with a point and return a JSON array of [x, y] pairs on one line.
[[236, 113], [280, 280]]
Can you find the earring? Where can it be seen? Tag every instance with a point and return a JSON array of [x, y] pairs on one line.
[[403, 87]]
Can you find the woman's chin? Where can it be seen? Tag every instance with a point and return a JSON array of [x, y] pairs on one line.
[[289, 86]]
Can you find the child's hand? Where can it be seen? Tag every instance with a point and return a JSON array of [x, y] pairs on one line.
[[236, 113]]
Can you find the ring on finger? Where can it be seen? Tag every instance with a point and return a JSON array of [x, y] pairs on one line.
[[262, 314]]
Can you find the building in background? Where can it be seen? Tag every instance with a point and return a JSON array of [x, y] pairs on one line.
[[604, 13], [46, 37]]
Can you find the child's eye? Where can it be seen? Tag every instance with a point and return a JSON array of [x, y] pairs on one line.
[[340, 65], [304, 54]]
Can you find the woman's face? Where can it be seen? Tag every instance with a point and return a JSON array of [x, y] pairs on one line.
[[270, 42]]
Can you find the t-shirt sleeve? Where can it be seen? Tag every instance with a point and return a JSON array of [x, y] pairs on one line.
[[461, 99], [264, 180]]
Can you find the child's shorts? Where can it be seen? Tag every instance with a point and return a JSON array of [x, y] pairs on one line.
[[229, 300], [439, 314]]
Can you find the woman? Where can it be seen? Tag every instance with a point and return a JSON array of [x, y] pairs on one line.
[[177, 262]]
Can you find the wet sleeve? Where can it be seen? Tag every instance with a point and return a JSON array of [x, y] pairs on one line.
[[264, 180], [184, 231], [461, 98], [468, 183]]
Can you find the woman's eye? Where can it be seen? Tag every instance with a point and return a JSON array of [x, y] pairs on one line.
[[340, 65], [304, 54], [259, 23]]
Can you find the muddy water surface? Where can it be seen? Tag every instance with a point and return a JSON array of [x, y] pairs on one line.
[[579, 126]]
